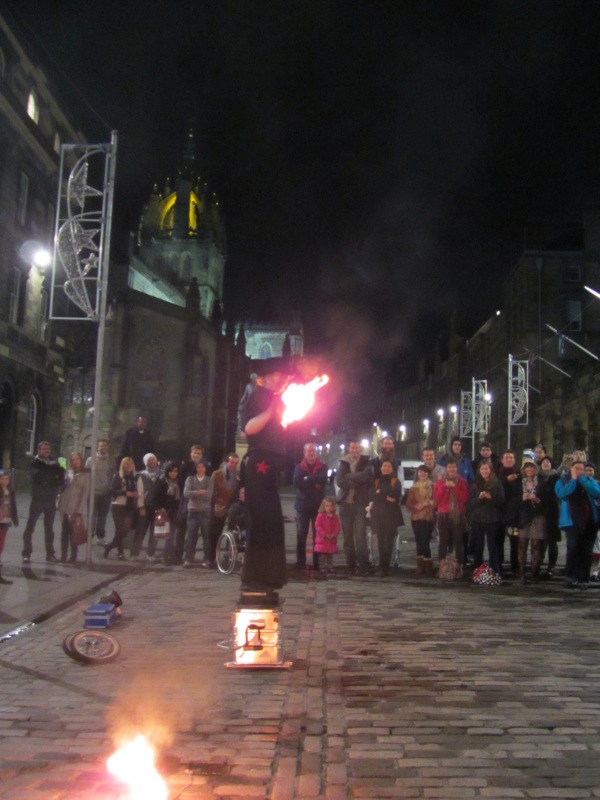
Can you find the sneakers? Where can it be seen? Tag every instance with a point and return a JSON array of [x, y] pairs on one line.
[[26, 560], [209, 565]]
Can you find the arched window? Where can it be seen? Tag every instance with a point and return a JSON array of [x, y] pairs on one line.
[[32, 423], [266, 351], [33, 106], [57, 142]]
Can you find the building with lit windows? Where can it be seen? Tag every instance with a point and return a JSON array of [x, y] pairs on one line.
[[33, 123], [548, 321]]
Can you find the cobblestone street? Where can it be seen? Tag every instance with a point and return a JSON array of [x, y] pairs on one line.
[[399, 687]]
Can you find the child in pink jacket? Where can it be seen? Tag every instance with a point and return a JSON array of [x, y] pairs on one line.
[[327, 526]]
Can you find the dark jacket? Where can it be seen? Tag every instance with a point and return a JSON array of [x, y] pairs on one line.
[[164, 499], [309, 483], [483, 511], [512, 495], [359, 480], [136, 444], [385, 511], [47, 479]]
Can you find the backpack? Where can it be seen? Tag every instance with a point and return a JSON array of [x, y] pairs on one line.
[[449, 569]]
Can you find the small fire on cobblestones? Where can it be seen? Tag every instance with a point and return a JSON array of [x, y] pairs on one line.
[[299, 398], [133, 764]]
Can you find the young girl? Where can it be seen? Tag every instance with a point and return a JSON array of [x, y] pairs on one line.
[[8, 508], [327, 526]]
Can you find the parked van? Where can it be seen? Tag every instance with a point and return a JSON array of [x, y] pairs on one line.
[[407, 472]]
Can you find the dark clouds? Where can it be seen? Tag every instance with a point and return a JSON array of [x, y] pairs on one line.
[[376, 161]]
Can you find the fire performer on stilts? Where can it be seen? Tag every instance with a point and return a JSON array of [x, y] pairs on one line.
[[264, 569]]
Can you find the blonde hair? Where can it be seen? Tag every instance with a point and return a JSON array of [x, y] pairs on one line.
[[122, 466], [326, 500]]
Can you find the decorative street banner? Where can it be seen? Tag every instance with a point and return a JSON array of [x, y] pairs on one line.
[[518, 392], [81, 232]]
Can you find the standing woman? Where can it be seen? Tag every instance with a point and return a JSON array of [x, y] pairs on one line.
[[486, 509], [532, 519], [123, 507], [73, 500], [385, 497], [167, 495], [8, 508], [420, 505]]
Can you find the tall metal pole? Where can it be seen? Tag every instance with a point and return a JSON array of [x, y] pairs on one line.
[[109, 181], [509, 399]]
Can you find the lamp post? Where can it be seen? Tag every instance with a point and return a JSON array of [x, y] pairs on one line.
[[81, 256]]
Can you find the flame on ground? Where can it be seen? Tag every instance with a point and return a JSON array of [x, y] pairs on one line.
[[133, 764], [299, 398]]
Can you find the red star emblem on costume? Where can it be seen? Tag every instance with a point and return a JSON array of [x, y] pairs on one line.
[[262, 466]]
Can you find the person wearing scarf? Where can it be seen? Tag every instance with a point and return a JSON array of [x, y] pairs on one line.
[[451, 494], [532, 521], [420, 505]]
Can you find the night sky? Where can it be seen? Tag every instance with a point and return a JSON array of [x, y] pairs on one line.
[[376, 162]]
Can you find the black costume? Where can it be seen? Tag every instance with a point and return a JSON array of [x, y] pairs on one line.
[[264, 566]]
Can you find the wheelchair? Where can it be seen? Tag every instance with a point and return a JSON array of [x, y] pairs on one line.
[[231, 546]]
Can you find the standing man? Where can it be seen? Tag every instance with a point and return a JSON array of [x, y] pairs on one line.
[[264, 567], [436, 471], [136, 443], [465, 470], [146, 482], [47, 479], [310, 478], [104, 469], [226, 482], [354, 478], [388, 453]]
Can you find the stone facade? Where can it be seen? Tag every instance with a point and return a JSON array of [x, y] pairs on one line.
[[33, 123], [545, 288]]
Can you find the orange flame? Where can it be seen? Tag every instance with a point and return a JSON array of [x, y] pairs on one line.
[[133, 764], [299, 398]]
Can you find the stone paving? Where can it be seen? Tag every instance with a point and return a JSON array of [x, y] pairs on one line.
[[401, 687]]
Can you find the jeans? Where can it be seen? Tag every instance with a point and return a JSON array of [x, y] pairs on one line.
[[303, 522], [197, 522], [580, 548], [490, 532], [422, 530], [353, 519], [36, 509], [101, 509], [451, 532]]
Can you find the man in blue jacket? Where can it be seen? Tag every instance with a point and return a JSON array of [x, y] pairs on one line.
[[310, 478], [578, 518]]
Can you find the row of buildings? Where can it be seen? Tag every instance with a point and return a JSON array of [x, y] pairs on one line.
[[546, 329]]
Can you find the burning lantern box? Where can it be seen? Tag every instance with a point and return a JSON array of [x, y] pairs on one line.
[[257, 638], [100, 615]]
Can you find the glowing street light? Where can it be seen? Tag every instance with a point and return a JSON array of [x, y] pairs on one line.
[[36, 254]]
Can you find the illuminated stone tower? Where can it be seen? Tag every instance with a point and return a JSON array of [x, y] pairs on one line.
[[181, 237]]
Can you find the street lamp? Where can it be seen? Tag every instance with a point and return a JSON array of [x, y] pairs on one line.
[[36, 254]]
